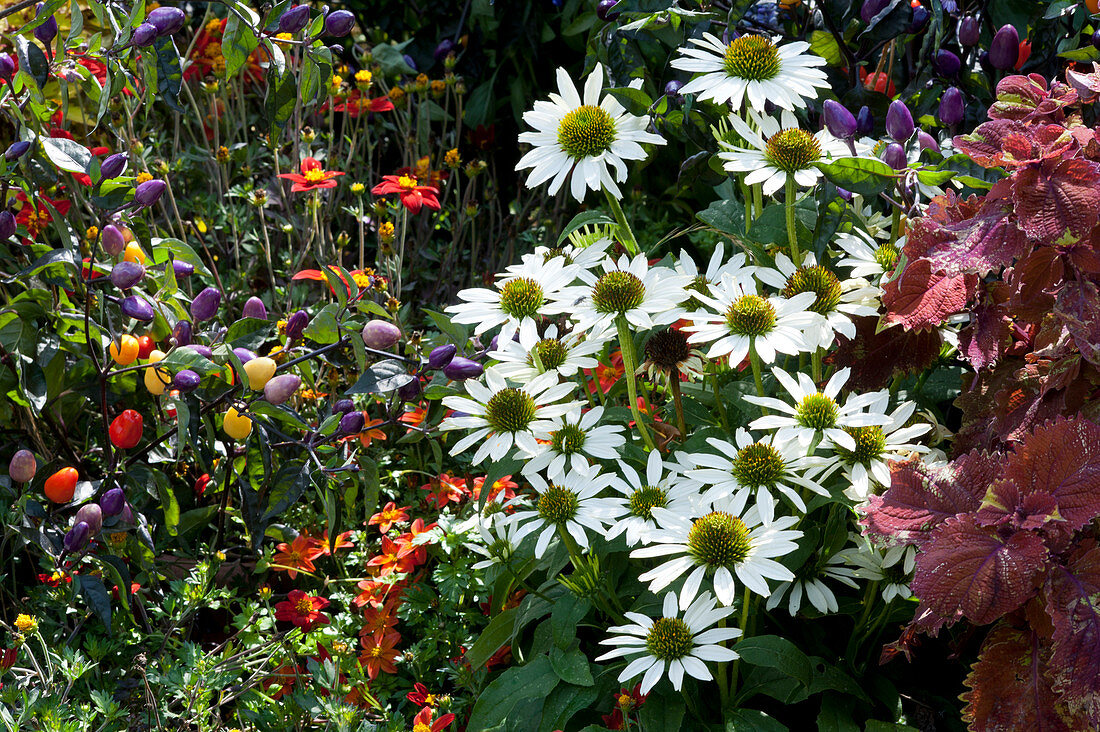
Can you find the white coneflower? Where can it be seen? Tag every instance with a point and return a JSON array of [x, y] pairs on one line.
[[498, 542], [867, 257], [503, 417], [739, 318], [583, 257], [671, 645], [752, 67], [717, 266], [836, 302], [663, 486], [720, 544], [778, 151], [565, 355], [520, 299], [582, 137], [815, 414], [810, 584], [571, 440], [570, 503], [755, 469], [892, 566], [646, 296]]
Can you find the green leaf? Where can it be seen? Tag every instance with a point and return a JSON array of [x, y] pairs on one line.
[[248, 333], [865, 176], [169, 72], [931, 177], [824, 45], [563, 703], [282, 93], [382, 377], [185, 358], [636, 101], [571, 666], [290, 483], [454, 331], [567, 612], [93, 591], [67, 155], [752, 720], [496, 634], [725, 216], [237, 43], [391, 57], [49, 259], [585, 218], [170, 506], [324, 328], [771, 651], [665, 714], [534, 681]]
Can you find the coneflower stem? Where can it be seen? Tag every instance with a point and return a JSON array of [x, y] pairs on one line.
[[757, 375], [677, 401], [792, 234], [630, 364], [629, 241]]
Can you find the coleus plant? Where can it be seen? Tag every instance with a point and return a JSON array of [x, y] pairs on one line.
[[1006, 529]]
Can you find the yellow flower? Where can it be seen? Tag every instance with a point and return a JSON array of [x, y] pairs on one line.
[[422, 79], [281, 326], [358, 189], [142, 177], [91, 234], [438, 87], [283, 37], [335, 83], [397, 94], [220, 556], [214, 26], [26, 623], [385, 231], [223, 154], [363, 78], [452, 159]]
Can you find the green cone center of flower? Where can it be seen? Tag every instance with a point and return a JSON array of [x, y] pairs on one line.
[[816, 411], [719, 540], [510, 410], [750, 315], [501, 548], [551, 353], [617, 292], [586, 131], [556, 252], [557, 505], [792, 150], [521, 298], [818, 280], [645, 499], [758, 465], [568, 440], [669, 639], [667, 349], [753, 58], [870, 443], [886, 255]]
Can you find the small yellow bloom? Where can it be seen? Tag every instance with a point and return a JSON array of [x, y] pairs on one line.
[[220, 556], [335, 83], [422, 79], [265, 592], [200, 225], [283, 37], [438, 87], [406, 181], [214, 26], [223, 154], [281, 327], [142, 177], [452, 159], [358, 189], [363, 78], [385, 231], [91, 234], [26, 623], [393, 304], [397, 94]]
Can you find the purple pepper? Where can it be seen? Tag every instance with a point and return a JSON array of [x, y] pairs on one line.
[[894, 156], [410, 62], [138, 308], [167, 20], [182, 269], [22, 466], [845, 194], [254, 308], [114, 242], [1004, 51], [410, 390], [947, 63], [112, 502], [47, 31], [280, 388], [144, 35], [186, 381], [205, 305], [7, 225], [460, 369], [339, 23], [380, 334], [441, 355], [605, 10], [672, 90], [839, 121], [182, 332], [17, 150], [970, 31], [952, 107], [7, 67], [244, 354], [296, 325], [149, 192], [113, 166], [91, 514], [294, 19], [926, 141], [921, 16], [445, 47], [343, 406], [77, 537], [865, 121], [126, 515], [125, 275], [352, 423], [871, 8], [204, 351], [899, 121]]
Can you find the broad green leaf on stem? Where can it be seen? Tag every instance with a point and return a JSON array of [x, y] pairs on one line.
[[237, 43], [382, 377], [169, 72], [865, 176], [585, 218], [94, 592], [67, 155], [496, 634], [533, 681]]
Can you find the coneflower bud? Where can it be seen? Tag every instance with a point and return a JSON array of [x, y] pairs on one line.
[[1004, 51]]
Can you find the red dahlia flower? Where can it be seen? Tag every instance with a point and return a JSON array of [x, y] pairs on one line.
[[313, 177], [378, 654], [413, 196], [303, 610], [356, 104], [35, 216], [422, 722]]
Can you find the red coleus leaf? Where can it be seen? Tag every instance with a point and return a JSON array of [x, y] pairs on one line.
[[920, 498], [1010, 686], [1078, 307], [921, 299], [1005, 504], [985, 145], [988, 337], [969, 571], [1029, 99], [1073, 602], [1057, 196], [880, 355], [982, 244]]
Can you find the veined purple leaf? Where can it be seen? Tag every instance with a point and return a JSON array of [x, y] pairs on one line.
[[1073, 602], [1057, 196]]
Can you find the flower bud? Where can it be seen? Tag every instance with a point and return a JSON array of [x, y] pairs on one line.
[[114, 241], [182, 332], [352, 422], [77, 537], [125, 275], [205, 305], [112, 502], [91, 514], [952, 107], [441, 355], [137, 307], [894, 156], [899, 121], [605, 10], [144, 35], [380, 334], [186, 381], [182, 269], [280, 388], [839, 121], [865, 121], [7, 66], [254, 308], [166, 20], [204, 351], [113, 166], [47, 31], [294, 19], [926, 141], [339, 23], [343, 406], [1004, 51], [149, 192], [970, 31], [460, 369], [7, 225], [17, 150], [244, 355], [296, 324], [22, 466], [871, 8]]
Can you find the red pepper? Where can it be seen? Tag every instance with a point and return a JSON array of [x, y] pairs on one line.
[[126, 430], [145, 346]]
